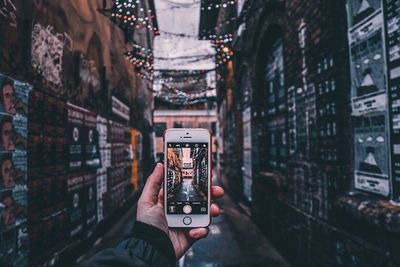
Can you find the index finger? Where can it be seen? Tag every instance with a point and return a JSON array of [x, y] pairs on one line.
[[153, 184]]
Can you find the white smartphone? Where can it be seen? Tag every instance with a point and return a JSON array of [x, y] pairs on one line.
[[187, 179]]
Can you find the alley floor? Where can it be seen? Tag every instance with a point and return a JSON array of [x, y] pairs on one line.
[[234, 240], [187, 192]]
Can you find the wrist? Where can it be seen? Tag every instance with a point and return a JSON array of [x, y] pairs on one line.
[[149, 218], [156, 237]]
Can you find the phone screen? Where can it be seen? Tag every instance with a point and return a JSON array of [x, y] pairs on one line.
[[187, 178]]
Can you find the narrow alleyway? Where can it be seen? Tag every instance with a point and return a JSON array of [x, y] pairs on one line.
[[234, 240], [295, 105], [186, 191]]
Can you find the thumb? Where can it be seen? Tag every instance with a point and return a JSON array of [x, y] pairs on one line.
[[153, 184]]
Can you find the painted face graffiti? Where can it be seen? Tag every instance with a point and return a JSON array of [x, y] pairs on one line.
[[8, 98]]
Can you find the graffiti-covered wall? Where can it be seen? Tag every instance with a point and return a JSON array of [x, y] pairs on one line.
[[76, 151], [321, 95], [71, 49]]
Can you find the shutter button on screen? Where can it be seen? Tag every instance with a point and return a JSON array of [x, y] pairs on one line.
[[187, 209], [187, 220]]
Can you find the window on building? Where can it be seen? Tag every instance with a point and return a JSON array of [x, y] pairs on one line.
[[159, 128], [178, 125], [275, 92], [240, 4], [214, 128], [187, 124], [205, 125]]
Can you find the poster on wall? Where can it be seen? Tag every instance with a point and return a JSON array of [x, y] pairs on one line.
[[14, 130], [14, 246], [75, 137], [359, 10], [368, 67], [369, 97], [247, 150], [75, 197], [371, 155], [120, 109], [13, 96], [13, 207], [91, 142], [13, 232], [90, 202], [392, 34], [13, 159], [13, 170]]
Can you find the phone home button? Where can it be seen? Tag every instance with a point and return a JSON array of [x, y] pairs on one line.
[[187, 220]]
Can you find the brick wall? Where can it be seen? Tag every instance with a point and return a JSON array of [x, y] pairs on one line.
[[302, 140]]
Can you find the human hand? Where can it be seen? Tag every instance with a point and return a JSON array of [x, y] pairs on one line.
[[151, 211]]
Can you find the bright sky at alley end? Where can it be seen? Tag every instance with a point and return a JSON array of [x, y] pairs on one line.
[[178, 47]]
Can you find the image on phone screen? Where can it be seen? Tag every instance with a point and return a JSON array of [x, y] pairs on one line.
[[187, 178]]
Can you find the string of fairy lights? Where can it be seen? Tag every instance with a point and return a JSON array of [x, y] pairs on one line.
[[185, 87], [180, 101], [223, 45], [211, 5], [142, 59], [132, 14], [180, 97], [188, 82]]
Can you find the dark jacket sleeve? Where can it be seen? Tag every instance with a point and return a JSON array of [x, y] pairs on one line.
[[145, 246]]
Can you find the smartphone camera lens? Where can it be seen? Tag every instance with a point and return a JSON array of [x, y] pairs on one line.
[[187, 133]]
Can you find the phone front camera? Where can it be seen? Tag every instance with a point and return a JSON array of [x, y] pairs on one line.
[[187, 133]]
